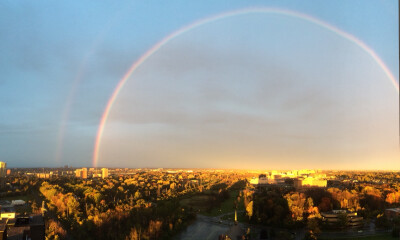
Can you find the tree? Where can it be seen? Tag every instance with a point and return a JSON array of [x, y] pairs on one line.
[[342, 220], [310, 236], [325, 205], [133, 235], [34, 206], [71, 203], [155, 228], [297, 203], [249, 209], [55, 230], [313, 225], [138, 195]]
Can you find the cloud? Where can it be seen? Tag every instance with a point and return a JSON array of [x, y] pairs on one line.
[[202, 103]]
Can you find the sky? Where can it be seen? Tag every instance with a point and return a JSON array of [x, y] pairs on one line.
[[266, 89]]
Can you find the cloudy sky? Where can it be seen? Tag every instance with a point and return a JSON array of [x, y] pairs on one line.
[[260, 89]]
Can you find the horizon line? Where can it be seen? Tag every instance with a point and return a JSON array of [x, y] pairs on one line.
[[211, 168]]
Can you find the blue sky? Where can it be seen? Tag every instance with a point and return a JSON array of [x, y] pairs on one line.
[[57, 56]]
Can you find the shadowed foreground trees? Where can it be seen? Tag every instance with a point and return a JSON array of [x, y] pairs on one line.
[[270, 207]]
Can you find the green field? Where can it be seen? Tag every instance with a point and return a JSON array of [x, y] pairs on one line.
[[226, 206], [198, 202]]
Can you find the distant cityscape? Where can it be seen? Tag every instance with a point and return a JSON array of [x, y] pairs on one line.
[[75, 203]]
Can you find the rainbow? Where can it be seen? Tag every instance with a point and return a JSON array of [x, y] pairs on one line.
[[211, 19], [77, 81]]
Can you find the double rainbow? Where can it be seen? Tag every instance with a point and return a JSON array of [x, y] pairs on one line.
[[211, 19]]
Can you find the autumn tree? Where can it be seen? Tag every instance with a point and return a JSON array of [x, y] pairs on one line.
[[249, 209]]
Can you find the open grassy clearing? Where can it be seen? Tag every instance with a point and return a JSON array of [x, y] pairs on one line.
[[199, 202]]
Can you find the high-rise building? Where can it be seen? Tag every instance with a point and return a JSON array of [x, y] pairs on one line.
[[3, 174], [3, 170], [84, 173], [104, 172], [78, 173], [81, 173]]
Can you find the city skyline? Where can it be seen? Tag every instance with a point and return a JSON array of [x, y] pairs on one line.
[[217, 85]]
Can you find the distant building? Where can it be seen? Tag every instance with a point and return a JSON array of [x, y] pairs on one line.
[[262, 179], [333, 217], [3, 174], [81, 173], [392, 213], [43, 175], [309, 182], [78, 173], [3, 169], [84, 173], [254, 181], [297, 182], [104, 172]]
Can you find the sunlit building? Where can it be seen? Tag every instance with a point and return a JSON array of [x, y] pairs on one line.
[[81, 173], [104, 172], [43, 175], [84, 173], [309, 182], [78, 173], [7, 212], [3, 170], [253, 181], [3, 174]]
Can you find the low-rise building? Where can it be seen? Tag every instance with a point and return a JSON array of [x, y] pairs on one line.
[[335, 216], [392, 213], [31, 227], [309, 182], [7, 212], [18, 202]]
